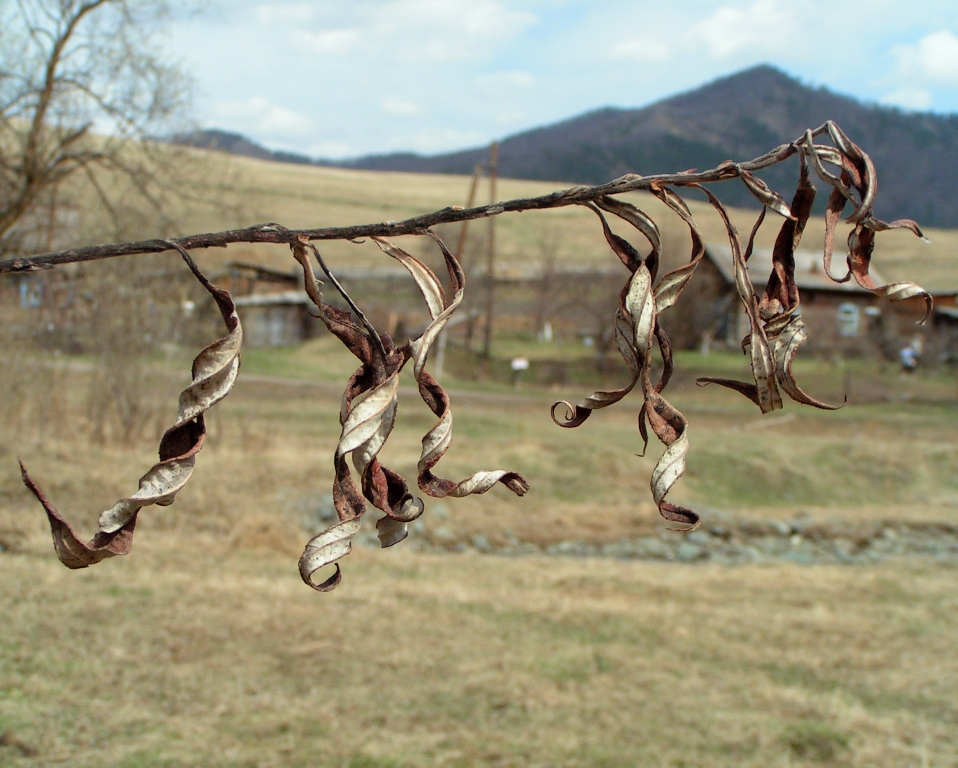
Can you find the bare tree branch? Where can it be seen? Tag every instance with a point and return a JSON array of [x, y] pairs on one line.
[[275, 233]]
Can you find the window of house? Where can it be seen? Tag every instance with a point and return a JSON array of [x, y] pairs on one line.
[[848, 320]]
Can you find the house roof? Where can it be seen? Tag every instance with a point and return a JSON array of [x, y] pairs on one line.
[[809, 271], [949, 312], [280, 298]]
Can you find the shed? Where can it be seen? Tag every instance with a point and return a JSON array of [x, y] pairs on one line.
[[279, 319], [842, 318]]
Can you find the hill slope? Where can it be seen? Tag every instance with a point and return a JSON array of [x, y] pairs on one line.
[[737, 117]]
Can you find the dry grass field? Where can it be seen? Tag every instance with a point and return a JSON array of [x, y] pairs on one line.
[[203, 648]]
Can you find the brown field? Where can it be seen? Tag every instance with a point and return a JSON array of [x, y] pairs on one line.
[[203, 648]]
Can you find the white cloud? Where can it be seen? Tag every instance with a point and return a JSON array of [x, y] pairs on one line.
[[441, 140], [760, 27], [499, 80], [280, 13], [333, 42], [933, 58], [263, 118], [399, 107], [446, 30], [914, 99], [641, 49]]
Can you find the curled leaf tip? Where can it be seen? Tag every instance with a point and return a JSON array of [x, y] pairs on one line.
[[390, 531], [517, 484], [574, 416], [408, 510], [325, 549]]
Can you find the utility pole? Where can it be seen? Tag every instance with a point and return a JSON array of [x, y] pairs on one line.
[[470, 316], [460, 247], [491, 257]]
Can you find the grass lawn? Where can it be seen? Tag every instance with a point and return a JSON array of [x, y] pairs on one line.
[[203, 648], [199, 654]]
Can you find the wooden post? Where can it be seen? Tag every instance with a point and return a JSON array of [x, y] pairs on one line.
[[461, 246], [491, 258]]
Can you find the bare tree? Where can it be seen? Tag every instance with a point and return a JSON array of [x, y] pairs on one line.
[[79, 79]]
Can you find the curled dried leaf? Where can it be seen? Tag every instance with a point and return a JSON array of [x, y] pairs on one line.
[[636, 326], [763, 366], [368, 414], [214, 372], [767, 197], [325, 549]]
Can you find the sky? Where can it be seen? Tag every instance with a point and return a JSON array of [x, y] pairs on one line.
[[342, 79]]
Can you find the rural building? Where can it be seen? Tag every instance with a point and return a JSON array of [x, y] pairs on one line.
[[278, 319], [842, 318]]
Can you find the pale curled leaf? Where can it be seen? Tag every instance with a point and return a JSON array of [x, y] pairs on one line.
[[369, 422], [214, 372], [861, 245], [636, 327], [671, 285], [637, 218], [786, 345], [368, 413], [767, 197], [763, 367], [429, 285], [325, 549], [436, 441], [901, 291], [625, 342], [669, 468]]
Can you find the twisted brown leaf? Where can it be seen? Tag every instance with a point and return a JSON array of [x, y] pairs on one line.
[[636, 325], [368, 414], [436, 441], [214, 371]]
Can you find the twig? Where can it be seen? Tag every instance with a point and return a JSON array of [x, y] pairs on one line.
[[274, 233]]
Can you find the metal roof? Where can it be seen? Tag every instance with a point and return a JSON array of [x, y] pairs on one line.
[[809, 271], [281, 298]]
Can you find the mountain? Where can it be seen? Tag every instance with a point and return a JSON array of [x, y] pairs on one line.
[[237, 144], [734, 118]]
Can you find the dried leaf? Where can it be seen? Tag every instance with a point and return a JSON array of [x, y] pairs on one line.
[[787, 343], [214, 371], [833, 212], [326, 548], [861, 246], [767, 197], [781, 292], [636, 326], [671, 285], [368, 414], [763, 366]]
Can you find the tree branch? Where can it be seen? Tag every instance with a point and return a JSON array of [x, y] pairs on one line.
[[276, 233]]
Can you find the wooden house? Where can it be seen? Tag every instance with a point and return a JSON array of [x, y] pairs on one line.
[[843, 319]]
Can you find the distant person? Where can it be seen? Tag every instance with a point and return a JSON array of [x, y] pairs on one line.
[[908, 358]]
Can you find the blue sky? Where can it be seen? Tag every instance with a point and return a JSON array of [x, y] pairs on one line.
[[339, 79]]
